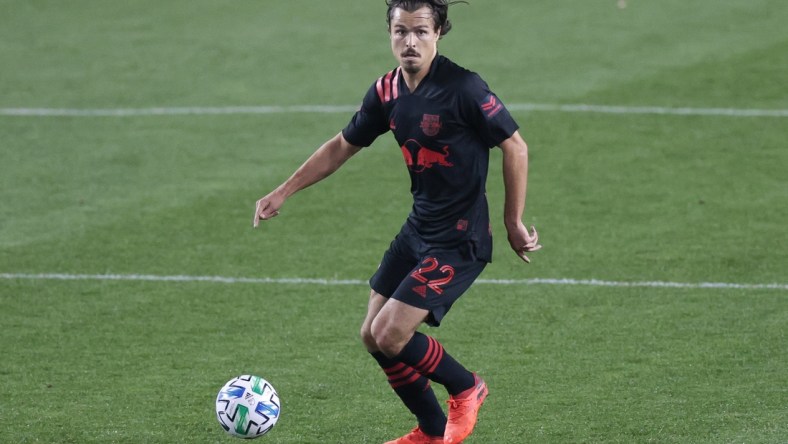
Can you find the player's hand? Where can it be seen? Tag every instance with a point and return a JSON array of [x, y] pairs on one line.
[[522, 241], [267, 207]]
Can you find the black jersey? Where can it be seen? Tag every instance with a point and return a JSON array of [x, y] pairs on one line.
[[445, 129]]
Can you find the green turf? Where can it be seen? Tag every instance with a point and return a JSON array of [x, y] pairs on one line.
[[637, 197]]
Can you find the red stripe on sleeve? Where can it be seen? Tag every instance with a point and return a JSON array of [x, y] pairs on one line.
[[387, 87], [395, 84], [379, 87]]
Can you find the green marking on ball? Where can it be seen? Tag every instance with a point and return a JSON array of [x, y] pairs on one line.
[[257, 386], [240, 422]]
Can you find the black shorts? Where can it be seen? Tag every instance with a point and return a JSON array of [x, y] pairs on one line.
[[427, 277]]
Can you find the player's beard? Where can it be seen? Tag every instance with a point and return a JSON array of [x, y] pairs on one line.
[[410, 66]]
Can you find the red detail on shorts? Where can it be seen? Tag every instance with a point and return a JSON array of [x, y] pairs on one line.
[[462, 225], [431, 264]]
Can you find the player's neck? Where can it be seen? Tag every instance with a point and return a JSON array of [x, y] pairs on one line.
[[412, 80]]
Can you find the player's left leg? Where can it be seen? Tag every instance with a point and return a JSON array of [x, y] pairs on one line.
[[424, 356], [394, 330]]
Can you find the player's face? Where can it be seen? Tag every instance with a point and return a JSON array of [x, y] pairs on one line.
[[414, 39]]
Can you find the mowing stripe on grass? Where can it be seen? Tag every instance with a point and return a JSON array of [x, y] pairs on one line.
[[318, 281], [566, 108]]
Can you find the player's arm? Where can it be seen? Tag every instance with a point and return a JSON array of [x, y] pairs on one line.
[[515, 179], [321, 164]]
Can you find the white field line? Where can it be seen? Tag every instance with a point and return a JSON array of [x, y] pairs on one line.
[[326, 282], [566, 108], [176, 111]]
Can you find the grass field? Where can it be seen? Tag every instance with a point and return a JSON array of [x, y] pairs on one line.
[[650, 204]]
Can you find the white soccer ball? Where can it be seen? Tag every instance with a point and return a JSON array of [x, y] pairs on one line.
[[247, 406]]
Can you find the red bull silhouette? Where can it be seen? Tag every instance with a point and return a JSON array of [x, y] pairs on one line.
[[425, 157]]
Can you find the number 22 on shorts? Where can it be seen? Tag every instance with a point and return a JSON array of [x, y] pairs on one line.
[[428, 265]]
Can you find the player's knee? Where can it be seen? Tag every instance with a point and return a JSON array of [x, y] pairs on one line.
[[387, 340], [367, 339]]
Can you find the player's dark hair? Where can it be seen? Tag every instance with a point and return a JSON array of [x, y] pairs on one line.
[[440, 11]]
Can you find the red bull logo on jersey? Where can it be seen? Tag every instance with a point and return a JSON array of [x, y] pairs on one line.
[[419, 158], [430, 124]]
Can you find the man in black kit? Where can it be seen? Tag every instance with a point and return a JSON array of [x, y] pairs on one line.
[[445, 119]]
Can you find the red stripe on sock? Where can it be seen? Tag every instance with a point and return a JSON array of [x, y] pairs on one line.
[[428, 355], [432, 358], [437, 359], [401, 374], [395, 368], [405, 380]]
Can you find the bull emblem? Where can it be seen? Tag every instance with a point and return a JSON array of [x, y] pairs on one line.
[[430, 124], [425, 157]]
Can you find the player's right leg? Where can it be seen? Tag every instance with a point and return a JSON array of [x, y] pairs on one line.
[[412, 388]]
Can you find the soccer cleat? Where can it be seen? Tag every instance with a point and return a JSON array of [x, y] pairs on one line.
[[416, 436], [463, 410]]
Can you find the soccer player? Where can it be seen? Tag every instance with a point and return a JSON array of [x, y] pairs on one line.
[[446, 120]]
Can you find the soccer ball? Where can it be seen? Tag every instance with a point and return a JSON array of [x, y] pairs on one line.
[[247, 407]]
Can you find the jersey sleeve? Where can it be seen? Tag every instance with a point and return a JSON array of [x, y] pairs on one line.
[[485, 112], [368, 123]]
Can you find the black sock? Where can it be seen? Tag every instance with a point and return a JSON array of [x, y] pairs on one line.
[[426, 355], [415, 392]]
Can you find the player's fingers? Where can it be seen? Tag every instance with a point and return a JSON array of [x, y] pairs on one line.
[[256, 217], [266, 216], [523, 256], [259, 213], [532, 240], [530, 247]]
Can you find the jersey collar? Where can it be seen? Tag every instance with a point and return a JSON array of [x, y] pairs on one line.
[[431, 73]]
